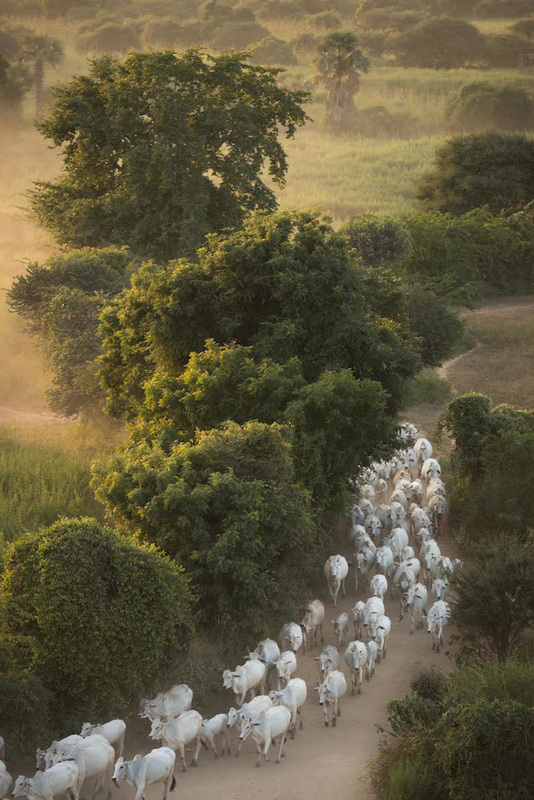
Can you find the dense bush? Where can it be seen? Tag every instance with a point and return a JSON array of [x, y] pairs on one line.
[[439, 44], [378, 241], [426, 388], [485, 169], [272, 52], [163, 32], [477, 252], [438, 746], [480, 106], [227, 504], [508, 51], [525, 27], [87, 600], [108, 37], [504, 8], [62, 300], [237, 35]]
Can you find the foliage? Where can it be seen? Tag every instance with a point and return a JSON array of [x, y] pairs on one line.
[[506, 50], [237, 36], [493, 680], [525, 27], [38, 484], [163, 32], [36, 52], [339, 66], [108, 37], [379, 121], [505, 8], [227, 504], [426, 388], [481, 105], [476, 252], [11, 88], [79, 583], [429, 683], [273, 51], [378, 240], [494, 594], [439, 44], [267, 286], [337, 423], [143, 190], [486, 750], [493, 462], [486, 169], [62, 300]]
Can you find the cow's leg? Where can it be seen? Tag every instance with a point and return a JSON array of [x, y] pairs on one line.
[[266, 749], [197, 750], [258, 748], [360, 676], [322, 635], [325, 715], [282, 742], [181, 748]]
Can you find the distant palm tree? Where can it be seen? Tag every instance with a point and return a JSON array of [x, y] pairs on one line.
[[339, 66], [35, 53]]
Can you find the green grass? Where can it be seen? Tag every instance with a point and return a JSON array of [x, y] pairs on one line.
[[39, 484]]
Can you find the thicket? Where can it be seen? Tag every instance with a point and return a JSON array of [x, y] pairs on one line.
[[78, 609], [493, 465], [470, 750], [482, 106]]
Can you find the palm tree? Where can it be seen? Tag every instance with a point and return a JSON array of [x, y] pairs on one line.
[[35, 53], [339, 66]]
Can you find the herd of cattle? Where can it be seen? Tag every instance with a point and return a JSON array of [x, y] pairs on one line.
[[399, 502]]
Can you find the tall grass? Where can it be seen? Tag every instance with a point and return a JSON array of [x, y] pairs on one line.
[[39, 484]]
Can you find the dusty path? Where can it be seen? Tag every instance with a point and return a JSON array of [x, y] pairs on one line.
[[321, 762], [446, 367]]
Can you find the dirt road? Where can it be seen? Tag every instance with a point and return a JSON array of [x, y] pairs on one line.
[[321, 762]]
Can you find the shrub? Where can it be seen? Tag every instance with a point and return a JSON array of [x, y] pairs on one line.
[[508, 51], [430, 684], [426, 388], [379, 241], [439, 44], [78, 583], [325, 21], [505, 8], [109, 37], [305, 46], [525, 27], [481, 105], [272, 52], [493, 680], [487, 169], [164, 32], [237, 36]]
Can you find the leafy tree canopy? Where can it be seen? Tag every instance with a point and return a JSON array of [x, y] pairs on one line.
[[439, 44], [339, 66], [79, 583], [228, 505], [161, 149], [482, 105], [486, 169], [284, 285]]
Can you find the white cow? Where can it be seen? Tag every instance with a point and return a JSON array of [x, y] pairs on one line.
[[293, 697], [328, 659], [291, 637], [374, 607], [364, 560], [430, 553], [211, 728], [5, 780], [437, 618], [400, 497], [285, 667], [442, 568], [356, 656], [179, 732], [397, 541], [379, 585], [113, 731], [142, 771], [268, 653], [167, 705], [312, 622], [419, 518], [330, 691], [45, 758], [387, 517], [357, 618], [94, 757], [437, 507], [246, 678], [404, 578], [416, 599], [372, 655], [430, 470], [384, 560], [270, 726], [251, 710], [380, 629], [423, 448], [336, 570], [341, 627], [58, 779], [439, 588], [417, 490], [373, 526]]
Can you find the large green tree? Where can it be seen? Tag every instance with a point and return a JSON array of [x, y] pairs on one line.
[[81, 604], [439, 44], [485, 169], [161, 149], [284, 284]]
